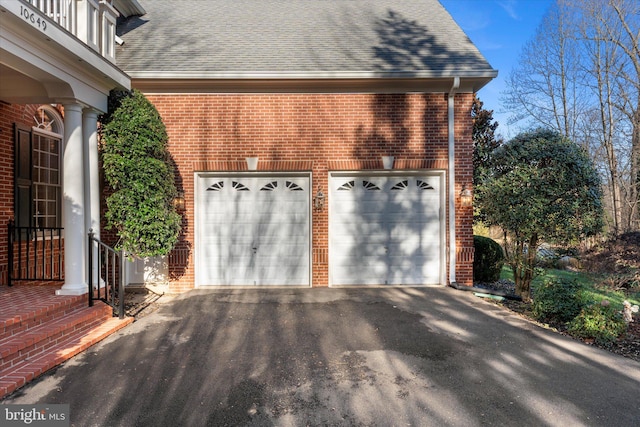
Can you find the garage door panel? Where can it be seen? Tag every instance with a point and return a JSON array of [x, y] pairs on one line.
[[363, 232], [410, 208], [407, 231], [413, 276], [369, 249], [253, 230], [231, 228], [271, 270], [357, 275], [385, 230], [349, 242], [354, 221]]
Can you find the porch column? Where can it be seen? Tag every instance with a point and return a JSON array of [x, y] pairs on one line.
[[73, 206], [92, 182]]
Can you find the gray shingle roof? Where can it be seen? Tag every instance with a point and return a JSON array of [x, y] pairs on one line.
[[303, 37]]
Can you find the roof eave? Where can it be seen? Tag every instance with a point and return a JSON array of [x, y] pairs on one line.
[[308, 82], [129, 8]]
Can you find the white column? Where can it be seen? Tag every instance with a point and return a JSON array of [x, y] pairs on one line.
[[73, 204], [92, 181]]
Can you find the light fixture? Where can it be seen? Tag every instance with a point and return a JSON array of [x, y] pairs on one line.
[[252, 163], [466, 196], [179, 202], [387, 162], [318, 200]]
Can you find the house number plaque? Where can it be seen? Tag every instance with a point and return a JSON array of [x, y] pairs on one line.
[[33, 18]]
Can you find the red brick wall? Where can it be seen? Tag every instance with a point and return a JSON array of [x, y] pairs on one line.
[[9, 114], [317, 132], [464, 175]]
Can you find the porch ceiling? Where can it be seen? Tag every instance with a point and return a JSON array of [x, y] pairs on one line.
[[19, 88]]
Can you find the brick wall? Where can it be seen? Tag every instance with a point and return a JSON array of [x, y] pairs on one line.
[[464, 175], [9, 114], [317, 132]]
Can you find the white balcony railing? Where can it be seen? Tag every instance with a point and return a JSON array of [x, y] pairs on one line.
[[91, 21]]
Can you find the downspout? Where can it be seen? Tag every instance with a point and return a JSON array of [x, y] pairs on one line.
[[452, 181]]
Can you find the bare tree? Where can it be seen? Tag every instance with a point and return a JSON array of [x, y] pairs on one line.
[[601, 60], [613, 28], [545, 88]]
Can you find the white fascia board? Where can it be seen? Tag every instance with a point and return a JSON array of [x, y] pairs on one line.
[[129, 7], [312, 75], [365, 82]]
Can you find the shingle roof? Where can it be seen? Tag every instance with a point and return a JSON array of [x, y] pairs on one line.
[[302, 37]]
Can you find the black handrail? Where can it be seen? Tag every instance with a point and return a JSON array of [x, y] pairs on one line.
[[35, 254], [106, 284]]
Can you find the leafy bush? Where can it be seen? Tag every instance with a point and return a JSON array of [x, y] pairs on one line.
[[542, 187], [488, 260], [558, 301], [604, 323], [139, 171]]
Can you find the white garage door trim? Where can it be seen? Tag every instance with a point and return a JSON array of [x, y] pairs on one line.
[[373, 236], [252, 229]]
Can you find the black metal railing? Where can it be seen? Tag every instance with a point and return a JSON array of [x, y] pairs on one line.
[[35, 254], [106, 275]]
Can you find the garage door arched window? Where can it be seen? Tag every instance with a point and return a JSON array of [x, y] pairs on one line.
[[38, 191]]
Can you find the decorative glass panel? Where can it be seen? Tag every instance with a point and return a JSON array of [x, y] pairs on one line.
[[238, 186], [46, 179], [47, 118], [293, 186], [424, 185], [216, 187], [347, 186], [370, 185], [402, 185], [270, 186]]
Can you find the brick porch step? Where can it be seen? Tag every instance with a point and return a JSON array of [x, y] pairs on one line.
[[24, 307], [51, 338]]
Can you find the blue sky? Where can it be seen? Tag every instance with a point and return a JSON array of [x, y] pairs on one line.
[[499, 28]]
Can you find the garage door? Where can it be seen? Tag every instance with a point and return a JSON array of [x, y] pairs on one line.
[[252, 230], [386, 230]]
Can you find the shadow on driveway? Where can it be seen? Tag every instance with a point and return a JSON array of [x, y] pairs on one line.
[[402, 356]]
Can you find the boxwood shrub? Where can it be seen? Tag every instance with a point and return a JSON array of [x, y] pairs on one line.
[[558, 301], [488, 259], [603, 323]]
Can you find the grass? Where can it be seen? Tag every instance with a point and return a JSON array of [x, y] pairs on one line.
[[593, 285]]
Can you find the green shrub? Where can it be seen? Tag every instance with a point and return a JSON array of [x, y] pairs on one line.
[[558, 301], [603, 323], [488, 259], [140, 174]]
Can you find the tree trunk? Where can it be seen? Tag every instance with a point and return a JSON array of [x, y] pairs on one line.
[[635, 170], [526, 269]]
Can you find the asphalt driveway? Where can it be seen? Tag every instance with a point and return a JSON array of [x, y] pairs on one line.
[[382, 357]]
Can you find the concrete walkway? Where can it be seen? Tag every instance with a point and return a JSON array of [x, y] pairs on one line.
[[351, 357]]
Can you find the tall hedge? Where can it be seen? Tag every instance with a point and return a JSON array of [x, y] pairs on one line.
[[138, 168]]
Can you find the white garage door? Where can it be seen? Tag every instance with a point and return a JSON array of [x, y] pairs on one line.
[[252, 230], [386, 230]]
